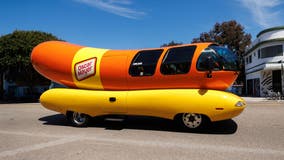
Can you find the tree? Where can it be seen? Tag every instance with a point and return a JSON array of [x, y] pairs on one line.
[[230, 34], [15, 50], [172, 43]]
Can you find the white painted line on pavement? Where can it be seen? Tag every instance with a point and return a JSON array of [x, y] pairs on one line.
[[38, 146], [19, 133]]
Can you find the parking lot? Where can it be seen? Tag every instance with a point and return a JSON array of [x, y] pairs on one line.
[[28, 131]]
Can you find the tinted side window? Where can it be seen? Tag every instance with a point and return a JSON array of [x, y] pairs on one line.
[[177, 60], [144, 63]]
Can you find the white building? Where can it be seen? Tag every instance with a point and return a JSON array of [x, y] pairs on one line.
[[264, 63]]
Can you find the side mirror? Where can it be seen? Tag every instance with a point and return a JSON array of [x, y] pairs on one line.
[[210, 66]]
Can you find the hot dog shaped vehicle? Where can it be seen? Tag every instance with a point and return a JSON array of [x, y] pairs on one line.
[[178, 82]]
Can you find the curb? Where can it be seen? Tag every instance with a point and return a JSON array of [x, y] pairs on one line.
[[261, 99]]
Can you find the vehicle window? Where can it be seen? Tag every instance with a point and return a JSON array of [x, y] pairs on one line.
[[203, 64], [177, 60], [145, 62], [227, 58], [221, 59]]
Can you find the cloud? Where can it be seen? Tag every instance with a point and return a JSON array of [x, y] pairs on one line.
[[117, 7], [263, 11]]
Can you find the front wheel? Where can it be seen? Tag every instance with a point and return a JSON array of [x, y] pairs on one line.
[[191, 121], [77, 119]]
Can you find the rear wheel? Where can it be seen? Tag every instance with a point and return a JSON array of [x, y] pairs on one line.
[[78, 119]]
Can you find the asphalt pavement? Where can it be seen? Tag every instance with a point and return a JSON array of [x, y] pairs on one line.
[[30, 132]]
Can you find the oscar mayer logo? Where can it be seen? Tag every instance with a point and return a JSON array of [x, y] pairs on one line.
[[85, 69]]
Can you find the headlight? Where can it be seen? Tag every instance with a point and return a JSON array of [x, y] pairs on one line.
[[240, 104]]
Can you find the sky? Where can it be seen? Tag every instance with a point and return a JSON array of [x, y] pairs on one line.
[[134, 24]]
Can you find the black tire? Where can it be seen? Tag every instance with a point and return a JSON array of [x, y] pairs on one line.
[[191, 121], [77, 119]]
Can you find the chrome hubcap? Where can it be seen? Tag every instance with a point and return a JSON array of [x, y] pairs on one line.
[[79, 118], [192, 120]]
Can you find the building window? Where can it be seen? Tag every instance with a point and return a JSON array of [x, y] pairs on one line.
[[145, 62], [250, 59], [258, 54], [272, 51], [177, 60]]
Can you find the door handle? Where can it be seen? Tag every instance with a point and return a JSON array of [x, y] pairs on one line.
[[112, 99]]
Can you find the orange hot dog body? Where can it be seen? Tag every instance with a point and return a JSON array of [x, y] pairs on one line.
[[105, 69]]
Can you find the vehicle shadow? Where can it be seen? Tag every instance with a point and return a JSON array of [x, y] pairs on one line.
[[145, 123]]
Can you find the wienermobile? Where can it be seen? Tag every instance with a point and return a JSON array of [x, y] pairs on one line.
[[185, 83]]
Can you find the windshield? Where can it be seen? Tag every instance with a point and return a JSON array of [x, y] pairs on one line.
[[227, 59]]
